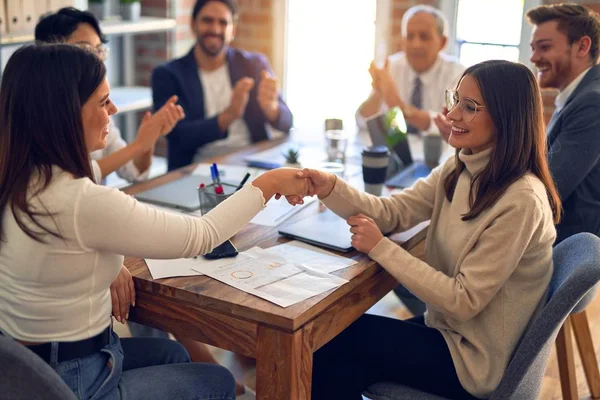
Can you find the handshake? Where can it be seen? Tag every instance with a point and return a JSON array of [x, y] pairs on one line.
[[295, 184]]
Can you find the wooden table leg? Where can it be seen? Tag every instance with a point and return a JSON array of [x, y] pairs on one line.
[[283, 364]]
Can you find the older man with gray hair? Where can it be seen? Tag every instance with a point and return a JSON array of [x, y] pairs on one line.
[[415, 79]]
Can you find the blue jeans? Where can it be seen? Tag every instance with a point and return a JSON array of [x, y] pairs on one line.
[[139, 330], [144, 368]]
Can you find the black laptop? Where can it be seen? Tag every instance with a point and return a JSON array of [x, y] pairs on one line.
[[408, 171], [181, 194], [325, 229]]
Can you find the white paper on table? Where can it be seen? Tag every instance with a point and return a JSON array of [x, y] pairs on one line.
[[271, 278], [278, 211], [160, 269], [309, 256], [300, 287]]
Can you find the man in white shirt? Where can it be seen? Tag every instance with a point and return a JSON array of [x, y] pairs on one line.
[[415, 79], [229, 96]]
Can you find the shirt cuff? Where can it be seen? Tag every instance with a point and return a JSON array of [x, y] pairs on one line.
[[433, 129]]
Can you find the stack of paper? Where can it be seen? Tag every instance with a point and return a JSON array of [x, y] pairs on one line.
[[284, 274]]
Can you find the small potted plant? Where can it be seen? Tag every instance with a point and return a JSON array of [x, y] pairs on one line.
[[131, 10], [292, 158], [100, 8]]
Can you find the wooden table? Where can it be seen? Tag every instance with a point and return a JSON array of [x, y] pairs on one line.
[[282, 340]]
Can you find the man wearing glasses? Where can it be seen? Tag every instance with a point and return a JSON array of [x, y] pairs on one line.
[[230, 96], [130, 161], [565, 48], [415, 79]]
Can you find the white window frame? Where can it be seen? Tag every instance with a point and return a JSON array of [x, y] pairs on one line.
[[280, 16], [450, 9]]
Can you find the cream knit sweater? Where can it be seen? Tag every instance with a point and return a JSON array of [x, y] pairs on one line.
[[483, 280]]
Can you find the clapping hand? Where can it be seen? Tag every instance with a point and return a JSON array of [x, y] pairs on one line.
[[268, 96], [161, 123], [387, 86], [239, 97]]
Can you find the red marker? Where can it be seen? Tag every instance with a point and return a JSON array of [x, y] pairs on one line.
[[218, 190], [201, 186]]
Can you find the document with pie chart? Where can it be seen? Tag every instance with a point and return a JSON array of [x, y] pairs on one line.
[[283, 275]]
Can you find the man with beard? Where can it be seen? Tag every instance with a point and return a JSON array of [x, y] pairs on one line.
[[415, 79], [229, 96], [565, 48]]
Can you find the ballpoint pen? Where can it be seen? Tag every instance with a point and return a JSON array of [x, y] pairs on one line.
[[214, 174], [217, 173], [243, 182]]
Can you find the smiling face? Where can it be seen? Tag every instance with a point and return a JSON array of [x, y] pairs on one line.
[[423, 41], [95, 115], [553, 56], [472, 126], [214, 28]]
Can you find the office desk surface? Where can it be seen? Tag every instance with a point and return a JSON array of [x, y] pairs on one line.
[[281, 339]]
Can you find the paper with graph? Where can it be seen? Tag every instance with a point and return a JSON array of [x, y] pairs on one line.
[[283, 275]]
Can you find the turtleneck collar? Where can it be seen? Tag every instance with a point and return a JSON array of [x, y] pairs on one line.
[[475, 163]]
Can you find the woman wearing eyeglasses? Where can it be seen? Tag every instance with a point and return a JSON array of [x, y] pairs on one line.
[[131, 161], [488, 256]]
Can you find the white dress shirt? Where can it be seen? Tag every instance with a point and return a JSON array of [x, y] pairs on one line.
[[216, 86], [114, 143], [563, 96], [444, 74], [59, 290]]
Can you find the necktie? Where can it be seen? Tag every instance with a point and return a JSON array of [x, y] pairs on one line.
[[416, 99]]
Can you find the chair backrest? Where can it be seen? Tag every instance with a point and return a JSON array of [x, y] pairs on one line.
[[27, 376], [576, 272]]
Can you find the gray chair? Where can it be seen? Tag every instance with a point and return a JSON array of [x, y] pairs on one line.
[[576, 272], [25, 376]]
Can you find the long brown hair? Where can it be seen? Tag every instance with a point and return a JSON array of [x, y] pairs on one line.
[[42, 94], [513, 100]]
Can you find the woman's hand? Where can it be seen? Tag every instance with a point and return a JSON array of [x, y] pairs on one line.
[[365, 232], [161, 123], [122, 294], [322, 184], [283, 182]]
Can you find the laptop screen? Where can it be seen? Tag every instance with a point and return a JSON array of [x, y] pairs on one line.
[[390, 123]]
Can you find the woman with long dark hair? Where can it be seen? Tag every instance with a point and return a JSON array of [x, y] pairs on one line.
[[488, 254], [62, 237]]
